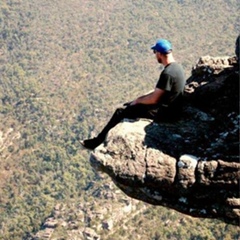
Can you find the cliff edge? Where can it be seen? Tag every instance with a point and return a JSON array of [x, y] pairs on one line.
[[192, 165]]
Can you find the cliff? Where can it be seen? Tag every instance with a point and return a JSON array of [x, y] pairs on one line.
[[192, 165]]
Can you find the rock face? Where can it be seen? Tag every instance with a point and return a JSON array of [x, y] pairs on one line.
[[191, 165]]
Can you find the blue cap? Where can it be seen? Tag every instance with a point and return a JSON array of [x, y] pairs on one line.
[[162, 46]]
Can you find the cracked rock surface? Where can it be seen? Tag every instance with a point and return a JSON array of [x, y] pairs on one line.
[[192, 165]]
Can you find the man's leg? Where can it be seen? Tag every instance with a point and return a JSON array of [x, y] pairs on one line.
[[131, 112]]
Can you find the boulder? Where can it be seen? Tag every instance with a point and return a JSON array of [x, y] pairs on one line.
[[191, 165]]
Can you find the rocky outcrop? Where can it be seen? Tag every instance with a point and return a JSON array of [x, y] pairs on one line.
[[103, 215], [191, 165]]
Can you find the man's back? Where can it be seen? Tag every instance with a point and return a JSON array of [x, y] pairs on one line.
[[172, 80]]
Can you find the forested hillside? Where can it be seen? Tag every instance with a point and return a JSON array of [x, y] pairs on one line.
[[64, 66]]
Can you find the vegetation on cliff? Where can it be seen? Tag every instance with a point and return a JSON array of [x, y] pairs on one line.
[[64, 65]]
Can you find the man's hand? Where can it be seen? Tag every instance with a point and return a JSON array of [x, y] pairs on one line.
[[152, 97]]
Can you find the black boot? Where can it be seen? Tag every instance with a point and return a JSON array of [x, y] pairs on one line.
[[91, 144]]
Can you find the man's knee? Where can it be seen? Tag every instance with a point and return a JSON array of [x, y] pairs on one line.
[[119, 111]]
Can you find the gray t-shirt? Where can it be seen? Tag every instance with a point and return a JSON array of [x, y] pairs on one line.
[[172, 80]]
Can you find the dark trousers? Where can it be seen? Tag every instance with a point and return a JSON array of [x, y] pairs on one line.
[[130, 112]]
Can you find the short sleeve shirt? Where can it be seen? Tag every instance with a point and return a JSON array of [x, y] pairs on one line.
[[172, 80]]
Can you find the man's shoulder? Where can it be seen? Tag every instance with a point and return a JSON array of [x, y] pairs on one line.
[[173, 68], [174, 65]]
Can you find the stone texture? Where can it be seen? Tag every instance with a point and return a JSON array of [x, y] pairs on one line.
[[191, 165]]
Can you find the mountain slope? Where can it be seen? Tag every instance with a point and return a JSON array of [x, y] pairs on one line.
[[64, 66]]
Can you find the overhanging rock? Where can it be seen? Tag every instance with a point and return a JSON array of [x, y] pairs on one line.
[[191, 165], [187, 183]]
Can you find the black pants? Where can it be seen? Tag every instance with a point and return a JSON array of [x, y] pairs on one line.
[[130, 112]]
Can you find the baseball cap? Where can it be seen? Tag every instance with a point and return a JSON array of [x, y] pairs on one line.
[[162, 46]]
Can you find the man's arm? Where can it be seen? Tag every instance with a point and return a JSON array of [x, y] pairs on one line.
[[150, 98]]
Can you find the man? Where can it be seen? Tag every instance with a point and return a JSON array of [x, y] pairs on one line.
[[162, 104]]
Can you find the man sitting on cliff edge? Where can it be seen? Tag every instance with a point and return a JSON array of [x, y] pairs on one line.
[[164, 103]]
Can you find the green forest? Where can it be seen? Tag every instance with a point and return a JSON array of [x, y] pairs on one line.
[[64, 67]]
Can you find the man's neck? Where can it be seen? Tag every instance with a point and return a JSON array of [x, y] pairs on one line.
[[169, 59]]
